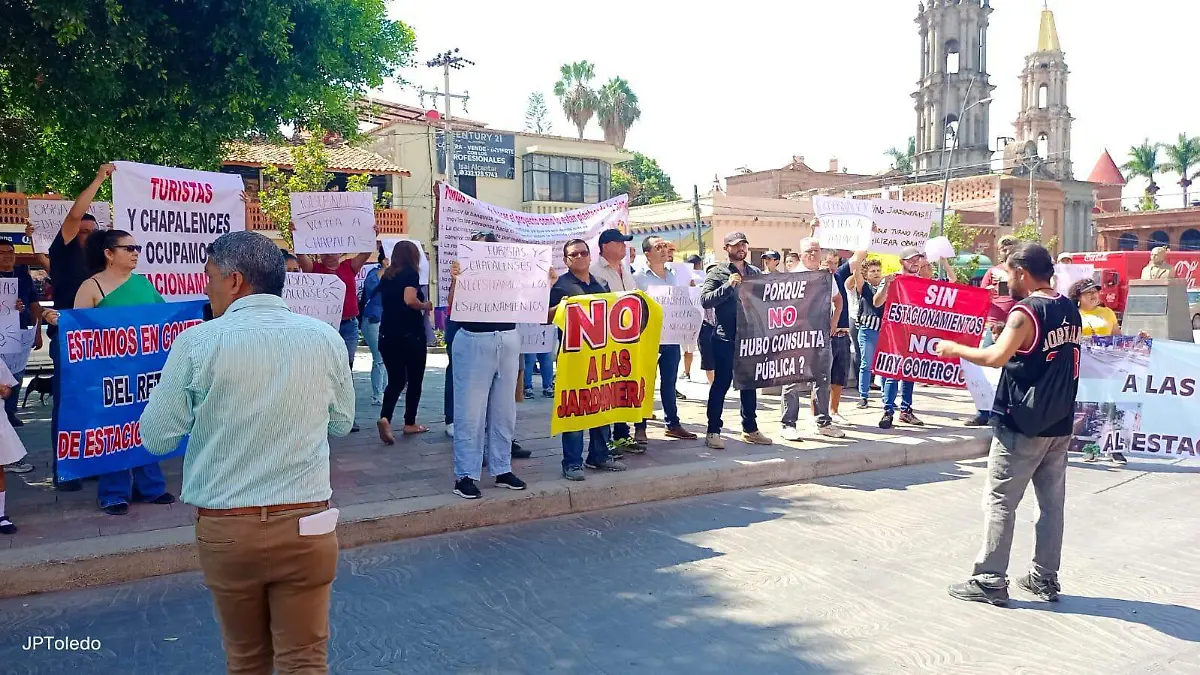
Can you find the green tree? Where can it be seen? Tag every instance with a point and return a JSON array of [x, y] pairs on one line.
[[579, 101], [643, 180], [1147, 202], [617, 110], [1143, 161], [537, 118], [1181, 157], [904, 161], [82, 83], [308, 174], [1030, 232]]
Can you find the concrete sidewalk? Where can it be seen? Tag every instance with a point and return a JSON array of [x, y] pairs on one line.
[[387, 493]]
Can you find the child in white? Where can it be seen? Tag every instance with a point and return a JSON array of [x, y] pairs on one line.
[[11, 448]]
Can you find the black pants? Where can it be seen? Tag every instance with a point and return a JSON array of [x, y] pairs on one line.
[[404, 359], [723, 352]]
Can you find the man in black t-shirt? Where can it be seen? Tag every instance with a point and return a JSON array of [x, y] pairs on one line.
[[578, 280], [68, 271], [1039, 353]]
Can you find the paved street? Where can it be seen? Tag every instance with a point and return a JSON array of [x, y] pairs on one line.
[[844, 575]]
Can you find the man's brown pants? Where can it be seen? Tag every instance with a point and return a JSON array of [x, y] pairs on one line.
[[271, 590]]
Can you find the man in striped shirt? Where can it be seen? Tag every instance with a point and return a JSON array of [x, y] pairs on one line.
[[257, 391]]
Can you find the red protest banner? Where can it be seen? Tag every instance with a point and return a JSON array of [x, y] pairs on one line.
[[920, 313]]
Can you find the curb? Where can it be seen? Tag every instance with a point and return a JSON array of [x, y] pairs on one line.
[[129, 557]]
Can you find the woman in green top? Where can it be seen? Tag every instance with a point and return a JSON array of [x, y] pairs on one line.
[[112, 256]]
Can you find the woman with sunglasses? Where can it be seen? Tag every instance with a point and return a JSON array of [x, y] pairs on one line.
[[112, 255]]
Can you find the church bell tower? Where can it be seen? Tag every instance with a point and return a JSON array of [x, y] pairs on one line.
[[954, 77], [1045, 120]]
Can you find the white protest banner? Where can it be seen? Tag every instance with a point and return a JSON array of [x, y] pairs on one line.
[[333, 222], [537, 338], [845, 223], [18, 359], [683, 273], [459, 215], [8, 296], [1067, 274], [899, 225], [502, 283], [47, 216], [681, 315], [320, 296], [175, 214], [981, 382], [389, 246]]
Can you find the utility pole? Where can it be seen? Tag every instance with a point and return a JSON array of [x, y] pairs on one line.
[[447, 60], [699, 226]]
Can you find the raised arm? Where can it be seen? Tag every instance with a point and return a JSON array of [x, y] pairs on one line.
[[1018, 332], [881, 293], [70, 226]]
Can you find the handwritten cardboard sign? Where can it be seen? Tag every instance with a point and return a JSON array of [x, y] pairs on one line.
[[320, 296], [682, 316], [537, 338], [502, 282], [333, 222], [47, 216], [845, 223]]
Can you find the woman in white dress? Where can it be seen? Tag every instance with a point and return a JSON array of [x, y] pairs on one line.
[[11, 448]]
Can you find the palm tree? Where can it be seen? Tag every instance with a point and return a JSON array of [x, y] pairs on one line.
[[578, 99], [1181, 157], [617, 110], [1143, 161], [903, 161]]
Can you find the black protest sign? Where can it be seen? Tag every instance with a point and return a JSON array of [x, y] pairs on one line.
[[783, 329]]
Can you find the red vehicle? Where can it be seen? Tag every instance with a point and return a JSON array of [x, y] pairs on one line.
[[1115, 268]]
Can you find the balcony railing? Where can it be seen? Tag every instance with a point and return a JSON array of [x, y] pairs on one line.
[[14, 210]]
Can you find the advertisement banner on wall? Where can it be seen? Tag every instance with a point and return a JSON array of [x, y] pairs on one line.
[[484, 154], [460, 215], [918, 314]]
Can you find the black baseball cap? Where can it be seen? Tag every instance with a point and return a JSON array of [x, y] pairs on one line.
[[773, 255], [735, 237], [609, 236]]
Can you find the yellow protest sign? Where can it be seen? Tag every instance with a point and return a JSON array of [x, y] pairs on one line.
[[607, 360]]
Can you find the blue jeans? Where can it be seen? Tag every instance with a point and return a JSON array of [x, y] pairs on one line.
[[545, 363], [379, 377], [668, 370], [572, 444], [484, 403], [868, 340], [723, 357], [448, 399], [349, 332], [889, 395], [10, 403], [117, 487]]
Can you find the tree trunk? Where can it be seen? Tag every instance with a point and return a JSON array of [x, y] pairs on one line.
[[1185, 184]]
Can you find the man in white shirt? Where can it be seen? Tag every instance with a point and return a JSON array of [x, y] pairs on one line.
[[613, 268], [810, 261]]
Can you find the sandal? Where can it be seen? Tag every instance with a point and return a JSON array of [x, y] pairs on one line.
[[385, 431], [415, 429]]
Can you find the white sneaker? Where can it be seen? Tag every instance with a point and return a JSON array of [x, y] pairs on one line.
[[838, 419], [789, 433], [714, 441], [450, 430], [831, 431]]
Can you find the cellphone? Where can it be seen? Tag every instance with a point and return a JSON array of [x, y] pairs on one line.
[[1003, 288]]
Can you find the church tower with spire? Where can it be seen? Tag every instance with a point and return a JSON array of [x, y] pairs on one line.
[[954, 78], [1045, 121]]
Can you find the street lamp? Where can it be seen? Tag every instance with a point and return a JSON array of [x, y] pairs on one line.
[[954, 144]]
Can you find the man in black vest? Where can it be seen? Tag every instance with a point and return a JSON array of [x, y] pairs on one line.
[[1032, 418]]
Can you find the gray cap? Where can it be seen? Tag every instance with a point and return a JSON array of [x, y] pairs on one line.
[[910, 252]]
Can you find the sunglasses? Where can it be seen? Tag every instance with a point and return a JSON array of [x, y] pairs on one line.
[[130, 248], [579, 254]]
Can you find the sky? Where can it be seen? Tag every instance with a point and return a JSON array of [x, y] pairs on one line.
[[752, 83]]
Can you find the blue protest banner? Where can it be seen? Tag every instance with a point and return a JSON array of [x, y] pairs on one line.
[[108, 363]]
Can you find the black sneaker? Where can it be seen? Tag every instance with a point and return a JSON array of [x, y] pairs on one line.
[[116, 509], [1043, 588], [548, 393], [73, 485], [979, 420], [510, 481], [972, 590], [520, 453], [16, 423], [528, 394], [6, 526], [885, 422], [862, 403], [1118, 458], [466, 488]]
